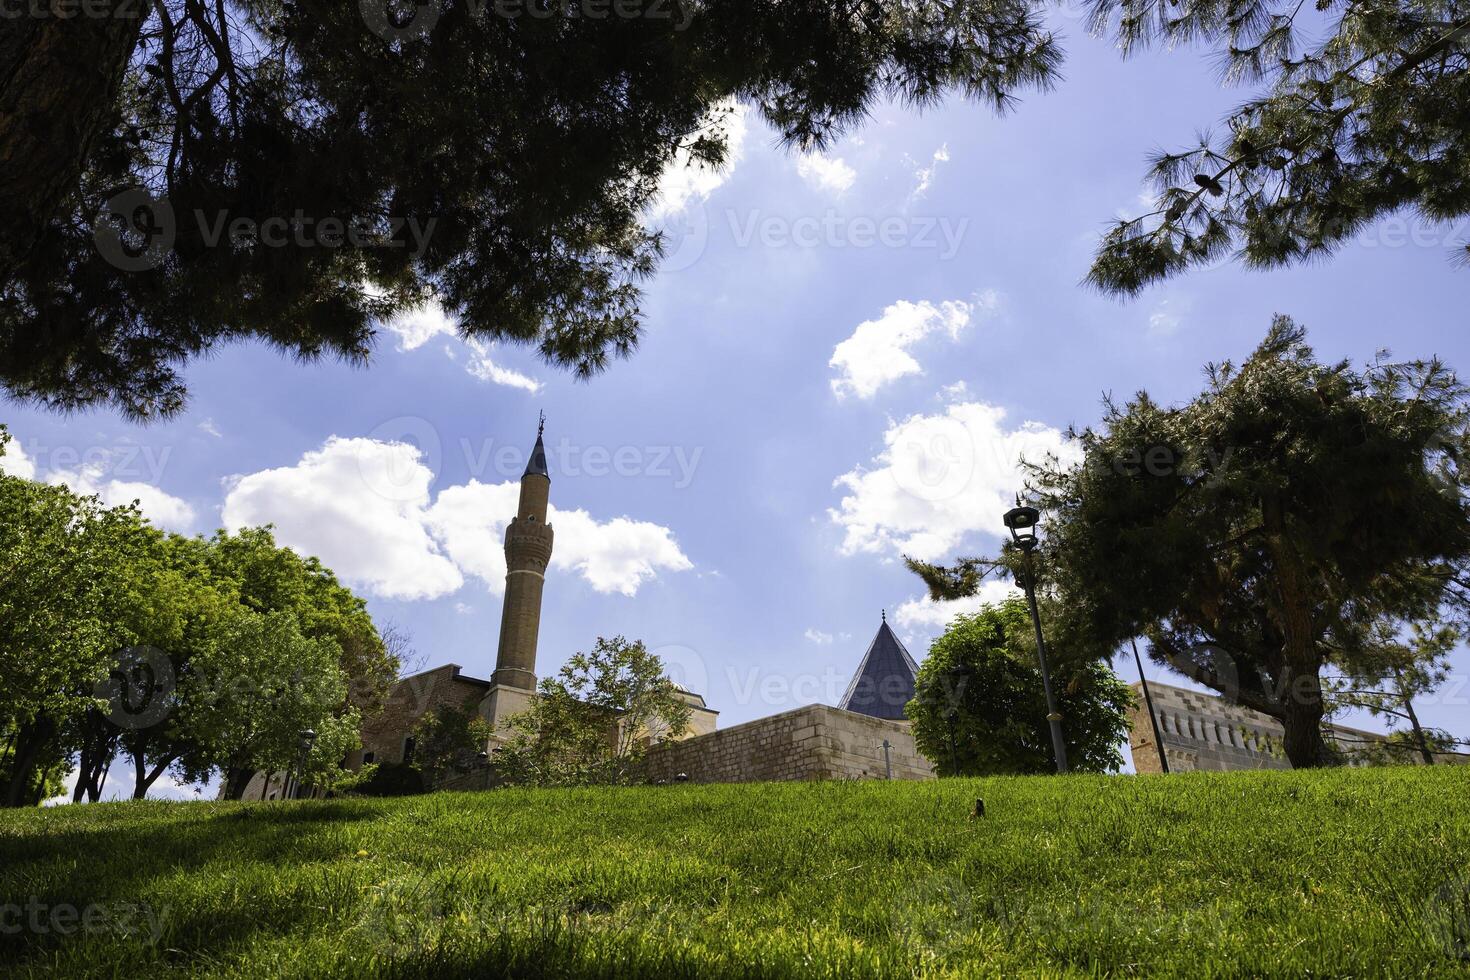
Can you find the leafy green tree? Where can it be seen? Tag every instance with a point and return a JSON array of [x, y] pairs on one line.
[[337, 734], [448, 739], [1261, 532], [979, 708], [270, 578], [166, 608], [1397, 666], [593, 722], [1405, 747], [250, 696], [504, 163], [1360, 116], [64, 560]]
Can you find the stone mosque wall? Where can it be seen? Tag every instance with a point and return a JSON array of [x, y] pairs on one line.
[[811, 743]]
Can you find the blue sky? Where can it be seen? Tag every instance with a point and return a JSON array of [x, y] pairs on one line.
[[841, 362]]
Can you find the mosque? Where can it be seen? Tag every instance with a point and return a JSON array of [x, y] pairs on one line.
[[865, 736]]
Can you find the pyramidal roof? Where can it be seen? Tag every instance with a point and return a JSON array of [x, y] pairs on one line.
[[884, 681], [537, 464]]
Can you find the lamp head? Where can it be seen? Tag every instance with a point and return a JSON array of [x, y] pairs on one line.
[[1022, 521]]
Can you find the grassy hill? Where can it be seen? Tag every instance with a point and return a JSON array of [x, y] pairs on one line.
[[1336, 873]]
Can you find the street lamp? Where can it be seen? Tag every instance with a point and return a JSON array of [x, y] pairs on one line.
[[1022, 521], [308, 739]]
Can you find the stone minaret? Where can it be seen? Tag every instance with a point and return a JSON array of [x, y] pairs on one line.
[[527, 552]]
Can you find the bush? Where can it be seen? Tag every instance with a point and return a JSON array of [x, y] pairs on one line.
[[391, 779]]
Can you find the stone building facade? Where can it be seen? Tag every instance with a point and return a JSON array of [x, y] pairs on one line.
[[1206, 732], [811, 743]]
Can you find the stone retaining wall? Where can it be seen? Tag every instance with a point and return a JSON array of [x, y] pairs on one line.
[[811, 743]]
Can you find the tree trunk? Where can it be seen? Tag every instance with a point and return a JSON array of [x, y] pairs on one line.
[[99, 744], [1419, 736], [1302, 720], [143, 777], [236, 782], [59, 78], [94, 792], [30, 740], [1300, 682]]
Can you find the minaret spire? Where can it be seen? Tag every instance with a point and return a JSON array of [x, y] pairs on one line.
[[528, 541]]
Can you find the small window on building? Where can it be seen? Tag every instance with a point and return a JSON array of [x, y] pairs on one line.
[[408, 746], [368, 757]]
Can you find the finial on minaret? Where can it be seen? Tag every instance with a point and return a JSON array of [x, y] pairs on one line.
[[536, 465], [884, 614]]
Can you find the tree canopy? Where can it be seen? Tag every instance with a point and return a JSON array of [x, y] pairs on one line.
[[503, 163], [593, 721], [1294, 515], [449, 739], [191, 655], [1366, 122], [979, 708]]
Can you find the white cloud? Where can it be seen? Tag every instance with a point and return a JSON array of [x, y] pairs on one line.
[[818, 637], [619, 555], [1166, 317], [958, 391], [91, 479], [463, 608], [358, 505], [15, 462], [685, 182], [208, 427], [922, 612], [939, 479], [418, 326], [831, 174], [364, 508], [160, 507], [482, 366], [877, 353], [925, 175]]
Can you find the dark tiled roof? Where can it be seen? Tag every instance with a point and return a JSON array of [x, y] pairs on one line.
[[884, 681], [537, 465]]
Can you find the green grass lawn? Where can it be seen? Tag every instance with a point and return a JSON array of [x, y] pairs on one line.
[[1336, 873]]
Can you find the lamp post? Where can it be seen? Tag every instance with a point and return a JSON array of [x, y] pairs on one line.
[[1153, 719], [1022, 522], [308, 738]]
